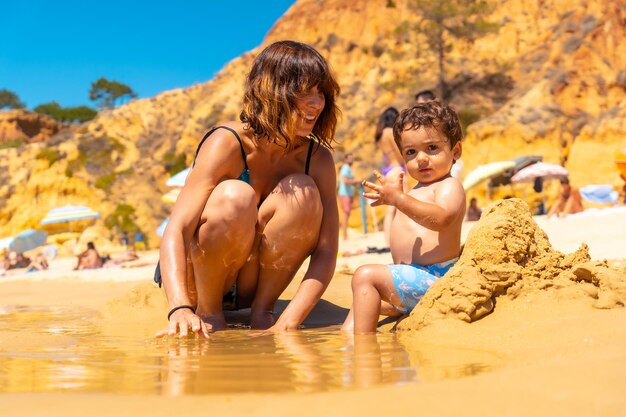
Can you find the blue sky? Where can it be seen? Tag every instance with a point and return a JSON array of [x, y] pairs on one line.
[[53, 50]]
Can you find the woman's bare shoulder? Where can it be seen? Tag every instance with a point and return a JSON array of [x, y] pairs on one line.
[[221, 147]]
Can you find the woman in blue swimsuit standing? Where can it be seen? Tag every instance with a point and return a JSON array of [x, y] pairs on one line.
[[259, 200]]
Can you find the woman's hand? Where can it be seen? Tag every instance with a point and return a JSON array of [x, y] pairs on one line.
[[181, 321], [387, 192]]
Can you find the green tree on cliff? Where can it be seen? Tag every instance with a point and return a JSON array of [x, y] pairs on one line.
[[443, 21], [107, 93], [78, 114], [10, 99]]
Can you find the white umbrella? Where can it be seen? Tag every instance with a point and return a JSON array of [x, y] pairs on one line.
[[178, 180], [539, 170], [5, 242], [484, 172]]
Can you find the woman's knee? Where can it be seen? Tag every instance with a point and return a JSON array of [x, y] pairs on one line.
[[230, 208], [303, 190], [232, 198]]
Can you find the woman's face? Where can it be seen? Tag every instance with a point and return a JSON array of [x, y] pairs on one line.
[[309, 105]]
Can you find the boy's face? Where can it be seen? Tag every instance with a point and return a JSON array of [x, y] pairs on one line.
[[427, 154]]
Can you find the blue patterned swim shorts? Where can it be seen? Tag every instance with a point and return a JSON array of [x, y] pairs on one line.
[[411, 281]]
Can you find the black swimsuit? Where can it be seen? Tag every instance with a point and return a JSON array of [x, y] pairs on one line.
[[244, 176]]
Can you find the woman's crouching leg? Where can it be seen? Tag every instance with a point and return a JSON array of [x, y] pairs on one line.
[[289, 226], [221, 246]]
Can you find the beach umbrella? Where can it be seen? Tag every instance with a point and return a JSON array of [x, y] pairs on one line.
[[69, 214], [540, 170], [178, 180], [484, 172], [27, 240], [161, 229], [521, 162], [171, 196]]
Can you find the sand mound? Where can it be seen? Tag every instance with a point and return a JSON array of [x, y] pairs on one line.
[[507, 255]]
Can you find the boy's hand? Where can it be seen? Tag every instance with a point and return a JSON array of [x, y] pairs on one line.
[[387, 192]]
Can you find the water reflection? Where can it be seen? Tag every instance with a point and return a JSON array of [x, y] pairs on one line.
[[305, 361], [66, 350]]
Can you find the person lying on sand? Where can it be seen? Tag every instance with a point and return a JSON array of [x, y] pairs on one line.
[[426, 231], [40, 263]]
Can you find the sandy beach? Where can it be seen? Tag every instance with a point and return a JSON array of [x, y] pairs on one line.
[[550, 350]]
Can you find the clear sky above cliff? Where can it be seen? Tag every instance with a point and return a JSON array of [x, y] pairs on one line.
[[53, 50]]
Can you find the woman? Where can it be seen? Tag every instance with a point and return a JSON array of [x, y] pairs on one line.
[[393, 163], [259, 200]]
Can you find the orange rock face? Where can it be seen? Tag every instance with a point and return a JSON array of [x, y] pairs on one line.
[[29, 126], [550, 80]]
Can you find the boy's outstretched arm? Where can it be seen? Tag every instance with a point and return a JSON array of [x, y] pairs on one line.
[[449, 201]]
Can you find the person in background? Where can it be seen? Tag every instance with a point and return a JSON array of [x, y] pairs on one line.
[[425, 96], [40, 263], [140, 243], [89, 259], [346, 191], [124, 239], [393, 164], [568, 202], [473, 211]]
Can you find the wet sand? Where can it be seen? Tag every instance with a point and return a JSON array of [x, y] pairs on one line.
[[545, 351]]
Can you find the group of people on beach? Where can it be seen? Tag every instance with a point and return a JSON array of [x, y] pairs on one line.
[[261, 198]]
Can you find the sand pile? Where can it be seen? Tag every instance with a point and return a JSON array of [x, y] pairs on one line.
[[507, 255]]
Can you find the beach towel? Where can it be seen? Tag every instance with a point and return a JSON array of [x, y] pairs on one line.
[[599, 193]]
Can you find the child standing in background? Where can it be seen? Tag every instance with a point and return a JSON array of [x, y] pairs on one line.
[[426, 231]]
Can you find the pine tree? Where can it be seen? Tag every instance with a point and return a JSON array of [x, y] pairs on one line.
[[443, 21]]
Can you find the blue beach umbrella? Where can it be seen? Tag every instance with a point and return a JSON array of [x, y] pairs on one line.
[[178, 180], [28, 240]]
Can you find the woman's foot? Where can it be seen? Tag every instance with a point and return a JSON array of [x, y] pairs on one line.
[[262, 320]]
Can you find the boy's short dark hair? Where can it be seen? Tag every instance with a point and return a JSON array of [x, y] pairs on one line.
[[431, 114]]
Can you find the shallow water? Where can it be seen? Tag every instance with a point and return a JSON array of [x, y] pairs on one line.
[[66, 350]]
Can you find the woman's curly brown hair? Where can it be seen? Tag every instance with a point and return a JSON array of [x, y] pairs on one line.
[[280, 73], [430, 114]]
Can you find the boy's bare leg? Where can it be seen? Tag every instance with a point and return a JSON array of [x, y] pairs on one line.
[[289, 224], [221, 246], [386, 309], [371, 284]]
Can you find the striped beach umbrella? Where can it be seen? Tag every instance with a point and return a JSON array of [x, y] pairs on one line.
[[69, 214], [539, 170], [484, 172], [171, 196], [178, 180]]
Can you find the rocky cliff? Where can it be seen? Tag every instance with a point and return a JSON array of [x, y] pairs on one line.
[[550, 80]]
